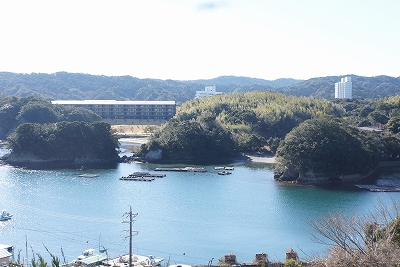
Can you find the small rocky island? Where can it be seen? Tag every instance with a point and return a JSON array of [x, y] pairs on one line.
[[63, 144], [325, 150]]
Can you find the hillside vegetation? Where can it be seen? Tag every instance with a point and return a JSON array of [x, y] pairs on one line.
[[326, 145], [363, 87], [310, 135], [72, 143], [226, 124], [18, 110], [77, 86]]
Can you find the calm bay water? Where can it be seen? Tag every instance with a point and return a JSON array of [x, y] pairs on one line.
[[188, 218]]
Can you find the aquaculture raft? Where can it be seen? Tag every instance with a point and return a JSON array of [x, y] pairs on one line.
[[186, 169], [142, 176]]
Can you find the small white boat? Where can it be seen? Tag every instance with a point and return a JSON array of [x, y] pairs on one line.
[[230, 168], [89, 175], [224, 173], [5, 216]]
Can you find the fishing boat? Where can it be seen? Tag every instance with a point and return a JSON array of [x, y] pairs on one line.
[[137, 260], [88, 259], [5, 216], [230, 168]]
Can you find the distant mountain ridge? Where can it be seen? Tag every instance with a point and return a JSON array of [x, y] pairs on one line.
[[363, 87], [240, 80], [77, 86]]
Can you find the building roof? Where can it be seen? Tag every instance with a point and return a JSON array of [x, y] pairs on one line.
[[93, 259], [111, 102], [7, 247], [372, 128], [4, 253]]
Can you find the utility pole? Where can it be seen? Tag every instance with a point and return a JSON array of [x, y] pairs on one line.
[[26, 250], [130, 216]]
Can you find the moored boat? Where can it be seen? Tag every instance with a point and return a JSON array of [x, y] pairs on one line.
[[230, 168], [5, 216], [88, 259], [137, 260], [224, 173]]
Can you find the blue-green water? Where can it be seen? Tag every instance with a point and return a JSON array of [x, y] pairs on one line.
[[187, 217]]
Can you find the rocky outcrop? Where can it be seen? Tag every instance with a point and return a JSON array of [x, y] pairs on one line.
[[154, 155], [30, 160], [292, 175]]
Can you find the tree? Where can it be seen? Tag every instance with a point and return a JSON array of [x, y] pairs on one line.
[[197, 139], [226, 123], [360, 240], [37, 113], [326, 147], [15, 111], [393, 125], [65, 142]]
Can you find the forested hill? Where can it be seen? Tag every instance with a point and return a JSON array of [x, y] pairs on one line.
[[363, 87], [63, 85]]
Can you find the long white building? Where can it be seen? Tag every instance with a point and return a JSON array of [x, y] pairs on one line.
[[208, 91], [344, 88], [136, 110]]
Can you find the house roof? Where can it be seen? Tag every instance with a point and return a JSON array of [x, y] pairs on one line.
[[4, 254]]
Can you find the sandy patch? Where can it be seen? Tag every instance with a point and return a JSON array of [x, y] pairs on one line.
[[261, 158], [134, 140], [132, 129]]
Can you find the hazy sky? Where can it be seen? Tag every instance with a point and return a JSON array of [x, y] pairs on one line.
[[195, 39]]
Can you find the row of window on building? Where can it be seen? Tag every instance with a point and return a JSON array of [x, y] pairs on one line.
[[344, 88], [113, 109]]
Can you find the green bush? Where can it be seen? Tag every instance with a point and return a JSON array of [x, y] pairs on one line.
[[292, 263]]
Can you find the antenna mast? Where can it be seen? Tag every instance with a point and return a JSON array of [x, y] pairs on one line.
[[130, 216]]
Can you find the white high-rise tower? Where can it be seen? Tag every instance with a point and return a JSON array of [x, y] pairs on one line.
[[344, 88]]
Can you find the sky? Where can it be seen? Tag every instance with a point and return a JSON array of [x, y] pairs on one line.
[[196, 39]]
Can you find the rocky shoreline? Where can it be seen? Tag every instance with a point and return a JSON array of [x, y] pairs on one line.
[[385, 178], [31, 161]]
